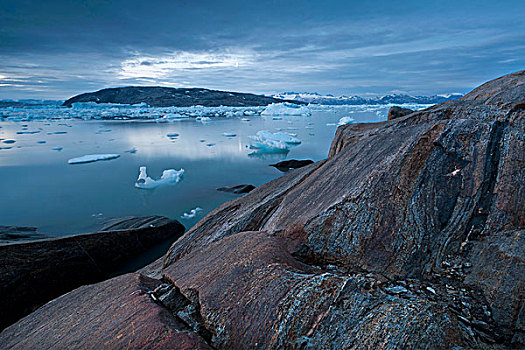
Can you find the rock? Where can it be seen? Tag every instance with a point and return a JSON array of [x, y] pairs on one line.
[[383, 207], [142, 323], [167, 97], [12, 234], [398, 112], [238, 189], [35, 272], [286, 165]]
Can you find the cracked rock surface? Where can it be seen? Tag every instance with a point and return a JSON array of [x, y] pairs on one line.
[[409, 235]]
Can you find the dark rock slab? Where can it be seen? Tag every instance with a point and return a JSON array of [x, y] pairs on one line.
[[286, 165], [398, 112], [165, 97], [237, 189], [115, 314], [33, 273]]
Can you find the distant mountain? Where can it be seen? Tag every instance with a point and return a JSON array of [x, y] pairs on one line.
[[166, 97], [358, 100]]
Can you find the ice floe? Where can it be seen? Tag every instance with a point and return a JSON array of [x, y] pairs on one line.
[[229, 134], [57, 148], [169, 177], [345, 120], [191, 214], [278, 109], [89, 158], [267, 142], [27, 132]]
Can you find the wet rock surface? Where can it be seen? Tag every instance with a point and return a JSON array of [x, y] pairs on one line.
[[13, 234], [32, 273], [410, 235]]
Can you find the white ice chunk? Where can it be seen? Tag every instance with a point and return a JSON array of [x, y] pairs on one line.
[[269, 142], [245, 119], [192, 213], [57, 148], [169, 177], [172, 135], [285, 109], [92, 158], [229, 134], [345, 120]]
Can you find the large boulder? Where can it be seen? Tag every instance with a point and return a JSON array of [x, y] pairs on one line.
[[410, 235], [398, 112]]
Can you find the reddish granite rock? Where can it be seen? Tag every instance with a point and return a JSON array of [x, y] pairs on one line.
[[114, 314]]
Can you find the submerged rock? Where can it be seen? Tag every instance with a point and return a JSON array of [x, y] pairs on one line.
[[434, 202]]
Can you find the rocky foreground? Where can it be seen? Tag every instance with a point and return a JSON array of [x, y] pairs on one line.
[[409, 235], [156, 96]]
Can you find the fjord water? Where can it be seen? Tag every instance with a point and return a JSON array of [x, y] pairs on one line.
[[39, 188]]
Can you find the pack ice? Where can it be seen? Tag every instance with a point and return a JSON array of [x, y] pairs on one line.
[[89, 158], [285, 108], [267, 142], [169, 177]]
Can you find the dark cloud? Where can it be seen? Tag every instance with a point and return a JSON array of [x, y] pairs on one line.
[[55, 49]]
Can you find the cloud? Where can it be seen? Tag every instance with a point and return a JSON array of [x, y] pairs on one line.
[[164, 66]]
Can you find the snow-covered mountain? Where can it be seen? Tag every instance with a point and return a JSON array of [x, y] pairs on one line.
[[358, 100]]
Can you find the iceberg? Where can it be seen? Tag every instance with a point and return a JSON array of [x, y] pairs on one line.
[[169, 177], [285, 109], [229, 134], [191, 214], [268, 142], [345, 120], [89, 158]]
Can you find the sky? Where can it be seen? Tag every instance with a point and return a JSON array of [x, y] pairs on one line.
[[55, 49]]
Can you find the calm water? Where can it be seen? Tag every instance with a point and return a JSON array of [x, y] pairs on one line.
[[39, 188]]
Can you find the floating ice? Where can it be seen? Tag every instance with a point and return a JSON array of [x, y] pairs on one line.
[[42, 141], [27, 132], [103, 130], [133, 150], [245, 119], [57, 148], [229, 134], [285, 109], [345, 120], [169, 177], [269, 142], [92, 158], [57, 133], [172, 135], [210, 144], [191, 214], [9, 141]]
